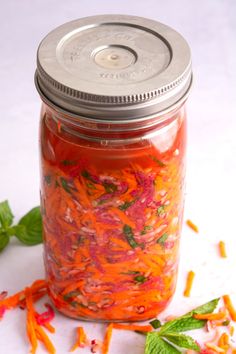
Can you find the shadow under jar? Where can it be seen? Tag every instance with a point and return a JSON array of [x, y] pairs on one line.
[[113, 136]]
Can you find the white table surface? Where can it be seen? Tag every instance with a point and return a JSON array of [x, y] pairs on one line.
[[210, 28]]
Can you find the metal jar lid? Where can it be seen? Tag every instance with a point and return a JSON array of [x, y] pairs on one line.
[[114, 67]]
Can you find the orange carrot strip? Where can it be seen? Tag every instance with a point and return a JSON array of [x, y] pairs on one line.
[[231, 331], [42, 336], [30, 321], [80, 340], [189, 283], [223, 341], [230, 307], [15, 300], [34, 331], [222, 249], [192, 226], [210, 316], [215, 348], [49, 327], [107, 339], [132, 327]]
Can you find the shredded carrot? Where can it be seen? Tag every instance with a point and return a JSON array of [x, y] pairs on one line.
[[34, 331], [42, 336], [38, 287], [192, 226], [223, 341], [132, 327], [230, 307], [49, 327], [123, 264], [214, 348], [210, 316], [81, 339], [189, 283], [231, 331], [107, 339], [222, 249]]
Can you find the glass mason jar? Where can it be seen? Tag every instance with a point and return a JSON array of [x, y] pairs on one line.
[[113, 136]]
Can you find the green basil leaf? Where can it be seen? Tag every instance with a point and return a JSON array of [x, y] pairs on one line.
[[187, 322], [130, 236], [160, 210], [68, 186], [155, 323], [182, 341], [182, 324], [140, 279], [29, 228], [156, 345], [6, 216], [126, 205], [4, 240], [162, 239], [159, 162], [209, 307]]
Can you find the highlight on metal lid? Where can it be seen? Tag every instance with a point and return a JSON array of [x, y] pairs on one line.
[[114, 66]]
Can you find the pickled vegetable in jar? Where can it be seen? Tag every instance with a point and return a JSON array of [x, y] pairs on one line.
[[112, 142]]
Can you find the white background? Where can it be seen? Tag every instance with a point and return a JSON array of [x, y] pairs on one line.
[[210, 28]]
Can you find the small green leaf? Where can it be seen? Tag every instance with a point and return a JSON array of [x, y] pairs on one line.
[[85, 174], [71, 295], [6, 216], [29, 228], [67, 185], [110, 187], [187, 322], [130, 236], [126, 205], [88, 176], [4, 240], [155, 323], [145, 229], [182, 324], [162, 239], [160, 210], [159, 162], [156, 345], [140, 279], [68, 162], [209, 307], [182, 341]]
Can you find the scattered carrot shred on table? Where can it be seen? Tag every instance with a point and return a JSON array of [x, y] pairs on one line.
[[34, 330], [230, 307], [192, 225], [223, 341], [107, 339], [189, 283], [132, 327], [231, 331], [81, 339], [215, 348], [222, 249], [210, 316], [220, 343]]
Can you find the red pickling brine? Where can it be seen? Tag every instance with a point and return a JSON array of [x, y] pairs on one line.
[[112, 189]]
